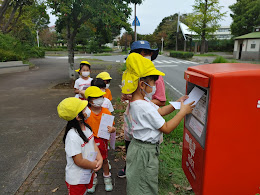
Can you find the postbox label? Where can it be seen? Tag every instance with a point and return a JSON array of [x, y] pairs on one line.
[[190, 160]]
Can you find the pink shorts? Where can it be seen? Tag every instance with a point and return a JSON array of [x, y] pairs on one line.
[[80, 189], [102, 145]]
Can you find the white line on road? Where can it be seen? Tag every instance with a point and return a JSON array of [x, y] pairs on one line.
[[173, 61], [166, 61], [158, 61], [173, 88], [117, 60], [165, 66]]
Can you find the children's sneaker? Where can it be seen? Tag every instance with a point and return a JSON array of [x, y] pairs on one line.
[[92, 190], [108, 184], [121, 173]]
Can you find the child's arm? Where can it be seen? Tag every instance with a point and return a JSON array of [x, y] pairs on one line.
[[169, 126], [99, 159], [84, 163], [111, 129], [165, 110]]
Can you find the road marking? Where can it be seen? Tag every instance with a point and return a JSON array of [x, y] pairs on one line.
[[173, 88], [117, 60], [193, 62], [166, 61], [158, 61], [165, 66], [173, 61]]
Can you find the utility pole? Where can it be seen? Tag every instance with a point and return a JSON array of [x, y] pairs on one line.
[[162, 44], [38, 42], [135, 24], [177, 34]]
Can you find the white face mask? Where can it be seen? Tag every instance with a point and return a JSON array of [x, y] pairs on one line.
[[98, 102], [148, 57], [87, 112], [107, 85], [85, 73], [150, 95]]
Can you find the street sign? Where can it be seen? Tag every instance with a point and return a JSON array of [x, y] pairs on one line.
[[137, 22]]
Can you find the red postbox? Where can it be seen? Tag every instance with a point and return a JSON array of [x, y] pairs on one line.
[[221, 140]]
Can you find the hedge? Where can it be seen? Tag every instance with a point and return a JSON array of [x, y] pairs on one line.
[[9, 56], [180, 54]]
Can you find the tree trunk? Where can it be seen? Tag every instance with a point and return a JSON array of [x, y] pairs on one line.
[[5, 27], [203, 35], [3, 9], [70, 46]]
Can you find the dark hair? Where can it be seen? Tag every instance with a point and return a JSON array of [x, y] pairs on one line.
[[76, 124], [146, 51], [150, 78], [81, 66], [98, 82]]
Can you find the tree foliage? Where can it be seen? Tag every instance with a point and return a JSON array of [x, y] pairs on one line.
[[204, 19], [246, 15]]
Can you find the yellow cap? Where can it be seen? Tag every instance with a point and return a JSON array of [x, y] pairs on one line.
[[104, 76], [69, 108], [93, 91], [85, 62], [137, 67], [77, 70]]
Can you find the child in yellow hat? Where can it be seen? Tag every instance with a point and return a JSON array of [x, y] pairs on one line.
[[106, 78], [80, 146], [147, 125], [94, 95], [84, 81]]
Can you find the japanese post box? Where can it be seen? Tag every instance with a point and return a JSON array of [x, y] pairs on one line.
[[221, 140]]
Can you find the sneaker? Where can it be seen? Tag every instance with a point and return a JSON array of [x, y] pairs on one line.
[[92, 190], [108, 184], [121, 173]]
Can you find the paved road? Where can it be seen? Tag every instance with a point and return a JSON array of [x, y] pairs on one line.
[[28, 119], [172, 67]]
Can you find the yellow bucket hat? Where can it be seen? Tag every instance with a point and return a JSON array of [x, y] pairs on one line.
[[83, 62], [93, 91], [104, 76], [69, 108], [136, 67]]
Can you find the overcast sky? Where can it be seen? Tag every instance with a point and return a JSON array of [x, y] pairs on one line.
[[151, 12]]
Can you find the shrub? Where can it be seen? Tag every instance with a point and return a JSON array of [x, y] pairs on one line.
[[9, 56], [220, 59], [180, 54]]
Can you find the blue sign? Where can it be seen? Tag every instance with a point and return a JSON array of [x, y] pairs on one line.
[[137, 22]]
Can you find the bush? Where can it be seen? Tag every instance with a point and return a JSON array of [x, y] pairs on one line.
[[220, 59], [180, 54], [9, 56]]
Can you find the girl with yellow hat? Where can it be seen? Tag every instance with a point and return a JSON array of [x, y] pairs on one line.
[[106, 78], [84, 81], [147, 125], [95, 97], [82, 154]]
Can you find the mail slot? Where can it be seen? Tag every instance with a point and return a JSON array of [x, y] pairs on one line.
[[221, 139]]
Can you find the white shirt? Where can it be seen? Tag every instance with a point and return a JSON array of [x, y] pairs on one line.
[[82, 84], [74, 145], [107, 104], [146, 121]]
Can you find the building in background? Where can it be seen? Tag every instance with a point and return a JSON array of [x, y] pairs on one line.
[[247, 47], [223, 32]]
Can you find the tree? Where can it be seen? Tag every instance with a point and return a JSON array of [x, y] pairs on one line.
[[10, 12], [204, 19], [246, 15], [47, 38], [72, 14]]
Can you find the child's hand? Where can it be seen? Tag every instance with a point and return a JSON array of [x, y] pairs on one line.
[[187, 108], [82, 92], [111, 129], [98, 165], [183, 98]]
